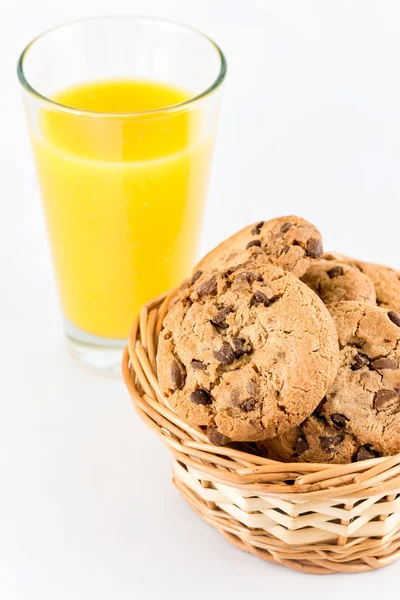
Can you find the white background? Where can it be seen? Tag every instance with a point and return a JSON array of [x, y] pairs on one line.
[[311, 125]]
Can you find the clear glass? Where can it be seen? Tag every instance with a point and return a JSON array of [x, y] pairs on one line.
[[123, 190]]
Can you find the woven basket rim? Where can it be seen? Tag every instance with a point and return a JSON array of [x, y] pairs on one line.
[[227, 466]]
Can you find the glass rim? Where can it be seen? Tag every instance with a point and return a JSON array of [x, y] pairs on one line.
[[84, 112]]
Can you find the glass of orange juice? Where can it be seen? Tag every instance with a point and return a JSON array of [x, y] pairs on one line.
[[122, 114]]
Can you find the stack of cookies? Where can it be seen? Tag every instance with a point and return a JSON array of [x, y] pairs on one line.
[[290, 353]]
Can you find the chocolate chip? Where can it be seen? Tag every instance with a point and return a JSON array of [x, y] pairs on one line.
[[221, 325], [384, 363], [197, 365], [218, 320], [208, 288], [314, 248], [248, 404], [365, 453], [178, 375], [217, 438], [384, 396], [257, 228], [253, 243], [225, 354], [301, 446], [196, 277], [339, 420], [360, 360], [261, 298], [238, 345], [285, 227], [235, 397], [285, 249], [335, 272], [245, 277], [329, 442], [394, 317], [252, 387], [201, 396]]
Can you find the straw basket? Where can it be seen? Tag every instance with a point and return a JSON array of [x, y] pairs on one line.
[[315, 518]]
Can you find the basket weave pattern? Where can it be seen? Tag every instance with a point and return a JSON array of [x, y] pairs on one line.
[[315, 518]]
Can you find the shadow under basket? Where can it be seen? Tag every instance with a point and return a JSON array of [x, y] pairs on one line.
[[315, 518]]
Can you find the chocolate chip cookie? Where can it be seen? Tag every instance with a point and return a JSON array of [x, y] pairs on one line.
[[385, 279], [248, 352], [315, 440], [289, 242], [360, 416], [335, 281], [386, 282]]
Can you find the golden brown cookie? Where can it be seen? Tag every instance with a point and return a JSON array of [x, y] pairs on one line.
[[385, 279], [335, 281], [289, 242], [249, 353], [386, 282], [360, 416], [315, 440]]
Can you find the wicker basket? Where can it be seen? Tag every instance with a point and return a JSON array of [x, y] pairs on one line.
[[315, 518]]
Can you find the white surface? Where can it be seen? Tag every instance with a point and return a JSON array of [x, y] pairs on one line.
[[311, 125]]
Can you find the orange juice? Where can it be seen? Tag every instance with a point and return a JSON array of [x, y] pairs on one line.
[[123, 196]]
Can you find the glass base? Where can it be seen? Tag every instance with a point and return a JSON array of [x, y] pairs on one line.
[[98, 354]]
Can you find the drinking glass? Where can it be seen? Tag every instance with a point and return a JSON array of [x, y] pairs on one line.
[[123, 190]]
